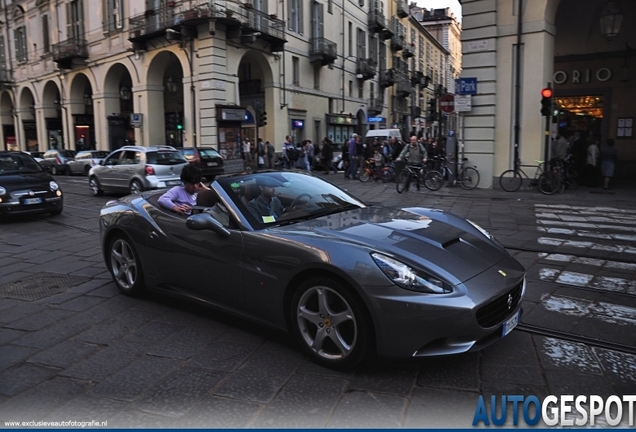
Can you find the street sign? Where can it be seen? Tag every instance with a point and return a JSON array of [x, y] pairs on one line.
[[463, 103], [136, 120], [447, 103], [466, 86]]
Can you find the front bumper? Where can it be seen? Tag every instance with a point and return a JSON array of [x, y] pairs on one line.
[[15, 207]]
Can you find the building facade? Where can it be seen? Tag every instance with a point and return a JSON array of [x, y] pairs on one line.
[[515, 49], [82, 74]]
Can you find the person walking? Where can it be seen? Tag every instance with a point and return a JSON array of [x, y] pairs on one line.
[[352, 170], [270, 154], [591, 162], [289, 150], [609, 155], [260, 153], [327, 156]]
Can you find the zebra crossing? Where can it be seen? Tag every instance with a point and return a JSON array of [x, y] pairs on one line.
[[579, 232]]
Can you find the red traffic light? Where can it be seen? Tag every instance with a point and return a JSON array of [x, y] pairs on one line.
[[546, 92]]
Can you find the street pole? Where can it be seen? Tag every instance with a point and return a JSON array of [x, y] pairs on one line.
[[546, 150]]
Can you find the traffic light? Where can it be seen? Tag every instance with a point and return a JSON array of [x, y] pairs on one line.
[[432, 109], [546, 102], [261, 118], [171, 123], [178, 120]]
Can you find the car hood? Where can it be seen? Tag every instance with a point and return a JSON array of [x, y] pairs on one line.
[[430, 239], [25, 180]]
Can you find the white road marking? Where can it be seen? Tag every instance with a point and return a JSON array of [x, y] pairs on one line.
[[603, 311], [549, 241], [568, 354]]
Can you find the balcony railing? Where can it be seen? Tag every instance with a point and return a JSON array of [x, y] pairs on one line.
[[408, 50], [403, 8], [5, 75], [367, 68], [322, 51], [388, 77], [376, 21], [376, 105], [400, 105], [65, 52], [397, 42], [404, 87]]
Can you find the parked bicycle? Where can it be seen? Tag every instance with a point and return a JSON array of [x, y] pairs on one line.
[[418, 174], [370, 171], [468, 177], [548, 181]]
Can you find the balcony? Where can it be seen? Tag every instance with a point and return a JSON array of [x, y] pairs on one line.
[[241, 21], [403, 9], [404, 87], [64, 53], [376, 105], [386, 33], [388, 77], [376, 21], [397, 42], [367, 68], [409, 50], [5, 75], [400, 106], [416, 111], [322, 51]]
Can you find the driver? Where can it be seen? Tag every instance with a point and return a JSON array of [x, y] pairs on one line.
[[266, 207]]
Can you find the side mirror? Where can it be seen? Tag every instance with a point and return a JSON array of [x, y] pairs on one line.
[[101, 162], [204, 221]]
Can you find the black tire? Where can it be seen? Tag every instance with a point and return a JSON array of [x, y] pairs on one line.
[[338, 336], [549, 183], [57, 211], [433, 180], [402, 181], [572, 178], [364, 176], [469, 178], [94, 185], [86, 169], [387, 176], [136, 187], [124, 266], [510, 180]]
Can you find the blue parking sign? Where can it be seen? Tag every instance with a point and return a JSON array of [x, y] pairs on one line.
[[466, 86]]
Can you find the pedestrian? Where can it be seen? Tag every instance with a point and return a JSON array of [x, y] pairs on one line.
[[362, 153], [308, 154], [593, 153], [289, 153], [352, 170], [260, 152], [609, 155], [327, 156], [270, 153], [247, 153]]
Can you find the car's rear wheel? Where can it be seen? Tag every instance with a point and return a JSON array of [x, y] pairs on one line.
[[136, 187], [124, 265], [330, 323], [93, 183]]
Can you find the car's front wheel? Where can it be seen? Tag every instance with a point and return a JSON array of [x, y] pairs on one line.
[[125, 266], [330, 323]]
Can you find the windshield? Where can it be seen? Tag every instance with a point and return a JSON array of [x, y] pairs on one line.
[[18, 163], [276, 198]]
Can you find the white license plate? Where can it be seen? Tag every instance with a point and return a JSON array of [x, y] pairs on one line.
[[510, 323], [32, 201], [213, 163], [173, 183]]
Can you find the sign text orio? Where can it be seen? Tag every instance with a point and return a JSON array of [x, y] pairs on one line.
[[602, 75]]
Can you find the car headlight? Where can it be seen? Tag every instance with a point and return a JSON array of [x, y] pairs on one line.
[[3, 191], [53, 185], [409, 278]]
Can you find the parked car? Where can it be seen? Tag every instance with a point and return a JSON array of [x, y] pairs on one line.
[[133, 169], [25, 187], [85, 160], [56, 161], [347, 279], [206, 158]]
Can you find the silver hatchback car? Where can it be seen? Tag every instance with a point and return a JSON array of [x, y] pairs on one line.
[[134, 169]]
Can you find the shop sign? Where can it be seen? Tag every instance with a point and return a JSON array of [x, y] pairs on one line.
[[602, 75], [233, 114], [343, 120], [298, 124], [376, 120]]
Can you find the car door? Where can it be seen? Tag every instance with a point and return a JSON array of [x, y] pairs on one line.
[[199, 264], [125, 170], [76, 165], [106, 173]]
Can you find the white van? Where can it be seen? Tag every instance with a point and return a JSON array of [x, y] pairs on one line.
[[381, 135]]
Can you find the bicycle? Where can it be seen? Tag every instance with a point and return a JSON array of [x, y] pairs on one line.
[[369, 171], [468, 177], [548, 181], [431, 179]]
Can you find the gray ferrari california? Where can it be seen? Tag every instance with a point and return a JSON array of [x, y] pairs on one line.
[[297, 253]]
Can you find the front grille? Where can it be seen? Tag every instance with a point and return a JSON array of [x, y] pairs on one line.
[[497, 310]]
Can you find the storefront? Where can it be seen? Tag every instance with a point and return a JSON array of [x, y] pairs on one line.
[[341, 127], [229, 121]]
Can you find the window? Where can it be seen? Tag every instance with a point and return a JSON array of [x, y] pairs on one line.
[[350, 39], [296, 71], [350, 88], [361, 51], [3, 60], [360, 89], [46, 43], [75, 16], [317, 78], [361, 2], [295, 16], [114, 14], [330, 6], [20, 44]]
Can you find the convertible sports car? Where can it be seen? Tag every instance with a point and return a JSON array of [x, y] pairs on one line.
[[297, 253]]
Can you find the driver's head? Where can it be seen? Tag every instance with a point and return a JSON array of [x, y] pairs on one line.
[[267, 185], [413, 140]]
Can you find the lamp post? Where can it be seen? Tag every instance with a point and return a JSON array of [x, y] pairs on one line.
[[611, 20]]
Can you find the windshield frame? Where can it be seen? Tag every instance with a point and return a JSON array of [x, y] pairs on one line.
[[24, 163]]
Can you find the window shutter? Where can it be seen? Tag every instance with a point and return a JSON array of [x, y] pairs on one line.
[[290, 13], [320, 12], [300, 17], [46, 46], [69, 21]]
